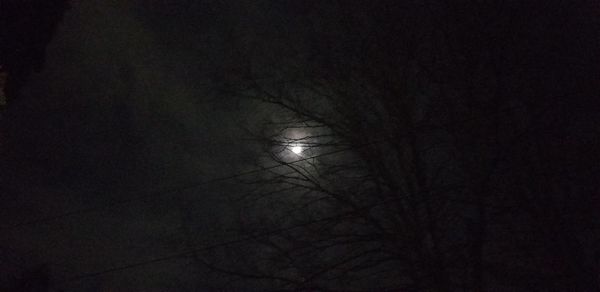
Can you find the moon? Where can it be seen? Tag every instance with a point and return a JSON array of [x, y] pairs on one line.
[[297, 149]]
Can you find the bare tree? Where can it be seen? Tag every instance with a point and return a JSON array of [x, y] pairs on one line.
[[399, 130]]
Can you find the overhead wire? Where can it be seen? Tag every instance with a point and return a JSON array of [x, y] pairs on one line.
[[164, 192], [191, 252]]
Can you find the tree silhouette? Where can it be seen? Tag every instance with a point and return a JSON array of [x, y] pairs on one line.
[[436, 115], [26, 28]]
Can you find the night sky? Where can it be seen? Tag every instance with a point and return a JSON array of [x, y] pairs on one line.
[[154, 145]]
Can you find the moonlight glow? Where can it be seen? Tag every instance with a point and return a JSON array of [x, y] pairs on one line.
[[297, 149]]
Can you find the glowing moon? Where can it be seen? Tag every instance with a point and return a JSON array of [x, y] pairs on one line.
[[297, 149]]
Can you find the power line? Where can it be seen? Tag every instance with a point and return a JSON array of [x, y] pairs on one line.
[[191, 252], [210, 232], [165, 192]]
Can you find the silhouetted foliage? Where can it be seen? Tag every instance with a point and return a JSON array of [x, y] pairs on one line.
[[26, 28]]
